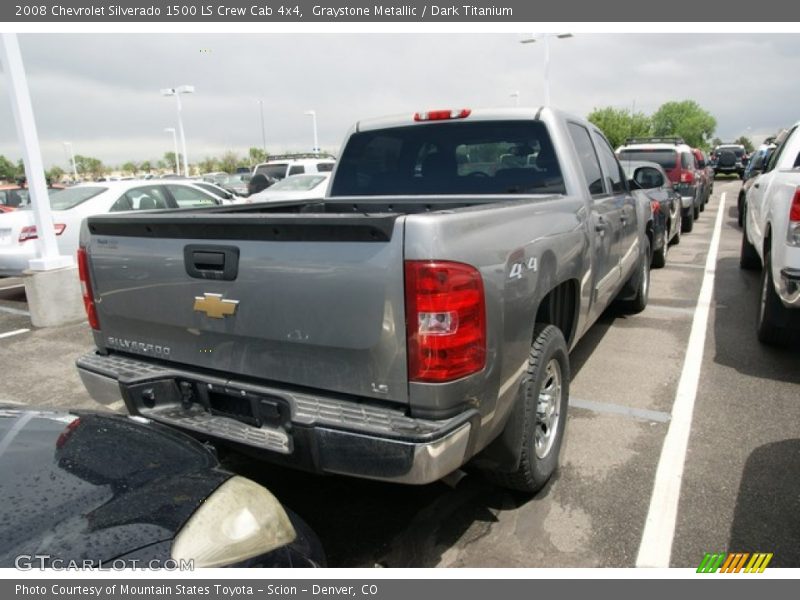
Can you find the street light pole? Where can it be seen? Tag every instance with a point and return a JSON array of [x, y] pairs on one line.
[[182, 89], [175, 145], [263, 131], [68, 147], [545, 37], [515, 96], [313, 115]]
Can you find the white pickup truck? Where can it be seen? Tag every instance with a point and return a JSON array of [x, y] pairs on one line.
[[771, 240]]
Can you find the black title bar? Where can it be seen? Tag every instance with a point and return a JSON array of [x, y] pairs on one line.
[[415, 11]]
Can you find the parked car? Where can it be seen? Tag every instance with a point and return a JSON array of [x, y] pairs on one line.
[[284, 165], [758, 160], [418, 319], [215, 177], [678, 160], [665, 203], [294, 187], [70, 206], [771, 240], [223, 195], [728, 159], [82, 486], [236, 184], [12, 196], [706, 175]]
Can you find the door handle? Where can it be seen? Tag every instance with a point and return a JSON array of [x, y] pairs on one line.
[[211, 262], [757, 185]]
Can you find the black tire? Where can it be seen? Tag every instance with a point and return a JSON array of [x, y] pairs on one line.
[[696, 212], [676, 239], [548, 355], [748, 257], [687, 222], [660, 256], [642, 282], [772, 314], [740, 206]]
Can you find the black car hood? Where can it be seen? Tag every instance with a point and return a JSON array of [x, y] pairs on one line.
[[91, 487]]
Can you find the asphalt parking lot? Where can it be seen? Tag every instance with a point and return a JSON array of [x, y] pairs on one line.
[[739, 486]]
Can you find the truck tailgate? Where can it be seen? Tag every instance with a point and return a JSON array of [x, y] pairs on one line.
[[311, 300]]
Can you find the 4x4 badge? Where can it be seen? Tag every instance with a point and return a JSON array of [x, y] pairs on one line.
[[214, 306]]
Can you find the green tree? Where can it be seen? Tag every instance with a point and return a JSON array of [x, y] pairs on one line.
[[257, 155], [619, 124], [7, 169], [716, 142], [228, 162], [54, 175], [169, 160], [130, 167], [89, 166], [745, 141], [686, 119], [145, 166], [208, 165]]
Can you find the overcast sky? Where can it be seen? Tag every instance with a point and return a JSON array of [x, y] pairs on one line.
[[101, 92]]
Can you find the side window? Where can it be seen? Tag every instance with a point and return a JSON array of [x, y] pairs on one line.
[[776, 154], [587, 157], [614, 175], [324, 167], [187, 197], [687, 161], [297, 170], [142, 198]]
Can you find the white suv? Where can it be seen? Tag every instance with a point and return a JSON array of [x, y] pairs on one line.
[[281, 166]]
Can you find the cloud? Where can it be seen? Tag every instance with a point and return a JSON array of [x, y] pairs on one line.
[[101, 92]]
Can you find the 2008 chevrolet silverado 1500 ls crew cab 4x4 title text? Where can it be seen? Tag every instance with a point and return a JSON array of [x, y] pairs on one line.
[[418, 318]]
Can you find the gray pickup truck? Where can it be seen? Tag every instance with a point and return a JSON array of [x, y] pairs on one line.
[[418, 318]]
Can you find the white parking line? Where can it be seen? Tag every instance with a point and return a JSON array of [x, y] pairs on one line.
[[13, 287], [14, 311], [9, 334], [659, 529]]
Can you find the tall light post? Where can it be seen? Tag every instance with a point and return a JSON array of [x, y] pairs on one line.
[[182, 89], [313, 115], [175, 145], [515, 96], [263, 131], [545, 37], [68, 148]]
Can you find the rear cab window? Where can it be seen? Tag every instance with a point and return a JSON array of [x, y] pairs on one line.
[[444, 158]]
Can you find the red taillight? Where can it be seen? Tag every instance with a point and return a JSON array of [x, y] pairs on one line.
[[794, 210], [445, 320], [29, 232], [687, 177], [64, 436], [655, 206], [86, 289], [440, 115]]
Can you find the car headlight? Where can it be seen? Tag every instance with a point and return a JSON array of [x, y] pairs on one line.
[[238, 521]]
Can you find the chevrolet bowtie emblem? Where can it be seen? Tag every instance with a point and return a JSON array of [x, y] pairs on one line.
[[214, 306]]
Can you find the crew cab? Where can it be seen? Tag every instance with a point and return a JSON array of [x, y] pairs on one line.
[[771, 240], [419, 317]]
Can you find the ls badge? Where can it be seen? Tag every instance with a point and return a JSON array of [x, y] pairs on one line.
[[214, 306]]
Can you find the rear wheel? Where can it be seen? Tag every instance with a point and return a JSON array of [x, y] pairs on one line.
[[542, 399], [772, 314], [748, 257], [687, 221], [660, 255], [641, 279], [676, 239]]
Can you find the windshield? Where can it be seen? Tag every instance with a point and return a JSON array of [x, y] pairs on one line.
[[238, 179], [668, 159], [298, 183], [737, 150], [70, 197], [472, 157]]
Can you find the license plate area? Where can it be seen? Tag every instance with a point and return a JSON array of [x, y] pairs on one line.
[[245, 406]]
